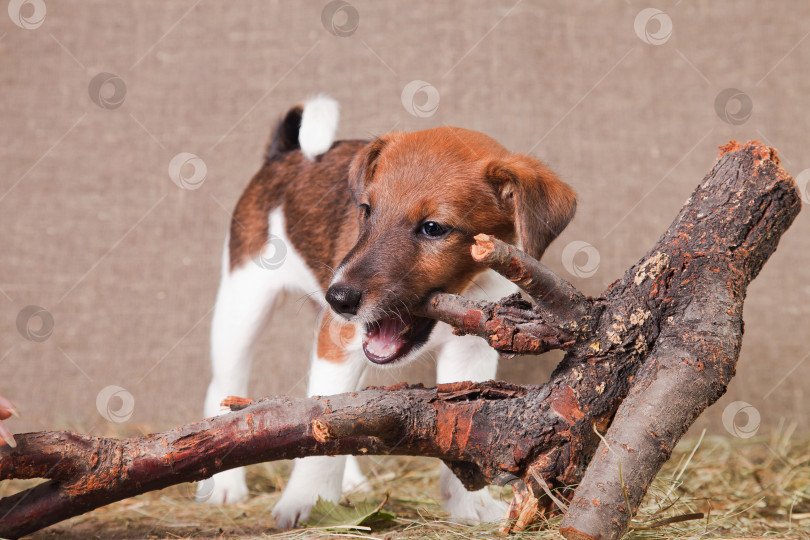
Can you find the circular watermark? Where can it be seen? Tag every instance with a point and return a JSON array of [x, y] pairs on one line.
[[803, 181], [519, 488], [33, 331], [340, 18], [730, 419], [27, 14], [341, 333], [506, 479], [202, 490], [115, 404], [426, 95], [107, 90], [187, 171], [733, 106], [653, 26], [581, 259], [272, 255]]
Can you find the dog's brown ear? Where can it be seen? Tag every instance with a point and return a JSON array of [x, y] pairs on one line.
[[361, 169], [541, 203]]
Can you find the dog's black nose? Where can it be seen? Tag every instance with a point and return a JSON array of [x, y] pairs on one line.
[[344, 299]]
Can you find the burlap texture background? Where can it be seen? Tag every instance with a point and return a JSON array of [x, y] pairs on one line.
[[127, 263]]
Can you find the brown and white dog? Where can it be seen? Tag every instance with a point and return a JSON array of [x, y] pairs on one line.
[[371, 228]]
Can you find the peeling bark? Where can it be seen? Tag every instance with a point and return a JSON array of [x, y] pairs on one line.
[[643, 361], [693, 282]]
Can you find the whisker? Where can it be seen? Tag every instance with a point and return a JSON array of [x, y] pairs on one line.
[[312, 297], [328, 267]]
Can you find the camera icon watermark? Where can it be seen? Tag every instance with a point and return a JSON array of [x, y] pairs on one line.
[[733, 106], [420, 98], [187, 171], [107, 90], [272, 255], [653, 26], [731, 418], [803, 182], [115, 404], [27, 14], [202, 490], [580, 259], [507, 479], [340, 18], [35, 331], [341, 333]]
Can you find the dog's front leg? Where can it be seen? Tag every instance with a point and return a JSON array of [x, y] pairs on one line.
[[244, 301], [337, 366]]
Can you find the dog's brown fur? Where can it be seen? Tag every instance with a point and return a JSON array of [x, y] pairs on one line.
[[316, 199], [460, 178]]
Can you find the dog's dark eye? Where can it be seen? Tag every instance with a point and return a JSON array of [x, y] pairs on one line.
[[365, 210], [431, 228]]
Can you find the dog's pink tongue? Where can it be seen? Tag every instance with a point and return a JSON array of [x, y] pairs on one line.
[[384, 339]]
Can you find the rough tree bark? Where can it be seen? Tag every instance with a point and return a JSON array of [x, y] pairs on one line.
[[643, 361]]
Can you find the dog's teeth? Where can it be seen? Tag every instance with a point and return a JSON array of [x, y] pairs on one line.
[[382, 351]]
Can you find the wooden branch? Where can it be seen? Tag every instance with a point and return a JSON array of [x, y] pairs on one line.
[[451, 422], [511, 326], [560, 316], [643, 361], [560, 302], [697, 273]]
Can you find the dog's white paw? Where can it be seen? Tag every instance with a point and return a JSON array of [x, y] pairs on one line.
[[475, 507], [227, 487], [293, 508], [471, 507], [353, 478], [295, 505], [311, 478]]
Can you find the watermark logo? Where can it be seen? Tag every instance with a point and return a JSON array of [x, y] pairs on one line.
[[340, 18], [203, 491], [107, 90], [272, 255], [733, 106], [115, 404], [187, 171], [37, 331], [420, 98], [803, 181], [580, 259], [507, 479], [731, 419], [653, 26], [341, 333], [27, 14]]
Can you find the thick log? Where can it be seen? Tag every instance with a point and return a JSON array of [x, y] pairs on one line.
[[643, 361], [693, 282]]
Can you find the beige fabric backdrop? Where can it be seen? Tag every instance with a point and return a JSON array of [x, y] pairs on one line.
[[127, 263]]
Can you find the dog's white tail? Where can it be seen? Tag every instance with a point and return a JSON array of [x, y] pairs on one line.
[[319, 122]]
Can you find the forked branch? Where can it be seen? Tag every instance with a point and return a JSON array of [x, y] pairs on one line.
[[643, 361]]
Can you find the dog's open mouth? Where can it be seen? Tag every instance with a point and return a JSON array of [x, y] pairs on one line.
[[392, 337]]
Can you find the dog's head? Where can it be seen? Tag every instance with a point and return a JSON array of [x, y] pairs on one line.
[[421, 197]]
